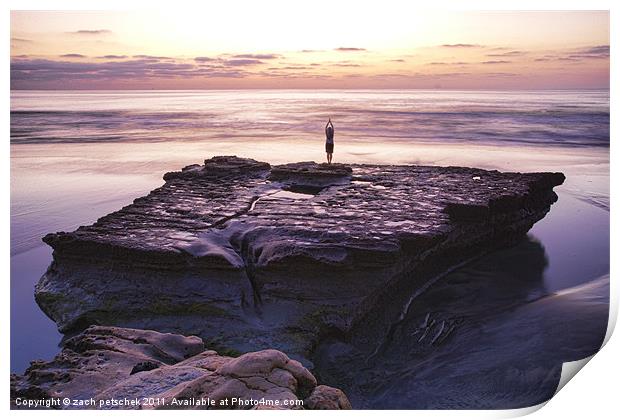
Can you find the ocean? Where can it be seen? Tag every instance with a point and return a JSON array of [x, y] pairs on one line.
[[77, 155], [567, 118]]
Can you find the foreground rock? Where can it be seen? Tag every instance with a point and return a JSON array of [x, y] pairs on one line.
[[251, 257], [127, 368]]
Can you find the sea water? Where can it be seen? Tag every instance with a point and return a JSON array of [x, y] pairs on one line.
[[78, 155]]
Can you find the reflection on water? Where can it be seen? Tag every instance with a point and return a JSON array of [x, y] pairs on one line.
[[576, 239], [495, 332], [569, 118], [489, 335], [60, 186], [33, 335]]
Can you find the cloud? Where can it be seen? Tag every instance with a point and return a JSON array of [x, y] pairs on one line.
[[391, 75], [513, 53], [398, 60], [225, 74], [311, 51], [237, 59], [461, 46], [599, 51], [91, 32], [557, 58], [453, 63], [291, 75], [290, 68], [152, 57], [22, 40], [242, 62], [496, 62], [258, 56], [349, 49], [112, 57], [499, 74], [439, 75], [44, 70], [73, 55]]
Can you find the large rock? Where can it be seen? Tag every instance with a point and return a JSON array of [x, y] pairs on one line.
[[109, 367], [251, 257], [327, 398]]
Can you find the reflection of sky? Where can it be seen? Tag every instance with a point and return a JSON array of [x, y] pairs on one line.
[[531, 117], [60, 186], [576, 240]]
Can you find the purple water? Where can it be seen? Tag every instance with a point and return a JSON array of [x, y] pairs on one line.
[[76, 156], [567, 118]]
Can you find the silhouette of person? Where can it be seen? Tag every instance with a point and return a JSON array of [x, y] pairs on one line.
[[329, 140]]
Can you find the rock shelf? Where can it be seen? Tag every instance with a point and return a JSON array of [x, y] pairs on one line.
[[251, 256]]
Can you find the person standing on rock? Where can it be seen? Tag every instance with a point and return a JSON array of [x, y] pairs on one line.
[[329, 140]]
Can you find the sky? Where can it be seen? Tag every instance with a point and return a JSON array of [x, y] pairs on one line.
[[223, 47]]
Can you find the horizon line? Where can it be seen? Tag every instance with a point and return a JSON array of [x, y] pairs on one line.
[[309, 89]]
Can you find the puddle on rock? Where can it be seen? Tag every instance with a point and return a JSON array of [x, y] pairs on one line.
[[291, 195]]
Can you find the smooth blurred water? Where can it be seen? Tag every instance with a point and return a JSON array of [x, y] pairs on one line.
[[97, 147], [76, 156], [513, 316], [577, 118]]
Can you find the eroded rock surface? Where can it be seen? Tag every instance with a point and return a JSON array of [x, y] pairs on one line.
[[250, 256], [101, 363]]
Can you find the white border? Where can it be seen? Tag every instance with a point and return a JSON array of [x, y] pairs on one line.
[[593, 395]]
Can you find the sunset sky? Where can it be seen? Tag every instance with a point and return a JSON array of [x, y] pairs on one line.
[[309, 47]]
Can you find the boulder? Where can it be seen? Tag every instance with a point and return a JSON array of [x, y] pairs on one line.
[[138, 369], [327, 398]]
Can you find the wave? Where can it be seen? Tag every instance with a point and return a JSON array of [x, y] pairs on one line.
[[556, 119]]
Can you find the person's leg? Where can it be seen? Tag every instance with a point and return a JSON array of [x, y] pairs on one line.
[[327, 157]]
